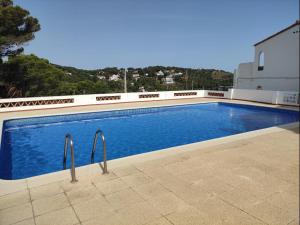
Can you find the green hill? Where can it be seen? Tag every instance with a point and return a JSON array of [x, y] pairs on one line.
[[31, 76]]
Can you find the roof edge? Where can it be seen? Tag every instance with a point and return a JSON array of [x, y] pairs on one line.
[[287, 28]]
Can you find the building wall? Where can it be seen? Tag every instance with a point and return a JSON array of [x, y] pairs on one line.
[[281, 64]]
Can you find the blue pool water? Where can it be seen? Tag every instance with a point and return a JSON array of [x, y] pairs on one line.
[[34, 146]]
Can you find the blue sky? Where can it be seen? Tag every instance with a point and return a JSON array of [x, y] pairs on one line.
[[136, 33]]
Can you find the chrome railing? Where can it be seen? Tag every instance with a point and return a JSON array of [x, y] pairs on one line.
[[68, 139], [104, 167]]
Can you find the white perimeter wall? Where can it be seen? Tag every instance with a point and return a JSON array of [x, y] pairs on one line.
[[81, 100], [272, 97]]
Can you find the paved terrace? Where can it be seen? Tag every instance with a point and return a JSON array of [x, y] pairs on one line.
[[251, 180]]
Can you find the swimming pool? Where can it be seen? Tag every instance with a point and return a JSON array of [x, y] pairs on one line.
[[34, 146]]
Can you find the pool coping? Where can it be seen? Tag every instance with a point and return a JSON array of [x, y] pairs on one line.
[[90, 169]]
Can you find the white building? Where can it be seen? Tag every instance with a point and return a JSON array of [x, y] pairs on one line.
[[177, 74], [169, 80], [135, 76], [101, 77], [160, 73], [142, 89], [276, 63], [114, 77]]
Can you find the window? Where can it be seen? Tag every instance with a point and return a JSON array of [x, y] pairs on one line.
[[261, 61]]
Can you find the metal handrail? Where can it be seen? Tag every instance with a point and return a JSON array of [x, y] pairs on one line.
[[104, 167], [68, 139]]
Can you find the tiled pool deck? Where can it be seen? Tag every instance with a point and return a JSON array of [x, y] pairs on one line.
[[246, 179]]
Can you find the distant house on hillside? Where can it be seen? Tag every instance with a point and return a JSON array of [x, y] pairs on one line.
[[101, 77], [276, 63], [114, 77], [160, 73], [135, 76], [142, 89], [169, 80], [68, 73], [176, 74]]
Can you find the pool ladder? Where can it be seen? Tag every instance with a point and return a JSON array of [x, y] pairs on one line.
[[104, 166], [69, 139]]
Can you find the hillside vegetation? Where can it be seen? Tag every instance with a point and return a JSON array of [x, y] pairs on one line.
[[30, 76]]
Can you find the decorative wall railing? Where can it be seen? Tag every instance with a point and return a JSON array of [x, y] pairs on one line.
[[35, 103], [215, 94], [108, 98], [185, 93], [149, 96]]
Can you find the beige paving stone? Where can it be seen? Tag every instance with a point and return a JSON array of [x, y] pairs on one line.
[[251, 169], [14, 199], [174, 159], [182, 167], [64, 216], [293, 190], [148, 165], [26, 222], [189, 216], [264, 188], [125, 171], [9, 187], [271, 214], [97, 207], [285, 200], [240, 198], [184, 191], [67, 186], [82, 194], [212, 185], [168, 203], [193, 176], [111, 186], [289, 174], [159, 174], [48, 178], [237, 218], [160, 221], [151, 190], [88, 171], [123, 198], [44, 205], [15, 214], [294, 222], [103, 177], [136, 179], [216, 211], [45, 190], [140, 213], [111, 219]]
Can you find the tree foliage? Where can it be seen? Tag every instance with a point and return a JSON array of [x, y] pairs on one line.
[[31, 76], [16, 28]]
